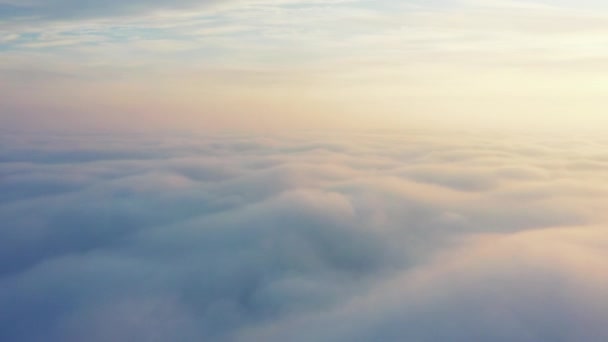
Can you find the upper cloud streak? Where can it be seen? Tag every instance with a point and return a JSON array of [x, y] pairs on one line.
[[68, 9]]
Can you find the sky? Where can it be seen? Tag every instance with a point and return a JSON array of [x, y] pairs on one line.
[[301, 64]]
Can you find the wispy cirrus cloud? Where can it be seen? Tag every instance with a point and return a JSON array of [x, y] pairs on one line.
[[78, 10], [311, 54]]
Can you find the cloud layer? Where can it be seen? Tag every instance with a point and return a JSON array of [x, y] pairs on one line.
[[373, 237]]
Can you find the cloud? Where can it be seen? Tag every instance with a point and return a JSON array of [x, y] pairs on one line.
[[529, 286], [529, 61], [69, 9], [79, 10], [354, 237]]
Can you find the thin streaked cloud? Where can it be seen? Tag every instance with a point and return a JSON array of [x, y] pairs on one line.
[[376, 51]]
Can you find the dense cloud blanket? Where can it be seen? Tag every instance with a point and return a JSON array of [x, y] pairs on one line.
[[413, 236]]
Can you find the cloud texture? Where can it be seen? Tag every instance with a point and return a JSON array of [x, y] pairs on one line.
[[70, 9], [373, 237]]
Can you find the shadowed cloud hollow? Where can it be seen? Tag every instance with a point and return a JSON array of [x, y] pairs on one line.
[[369, 237]]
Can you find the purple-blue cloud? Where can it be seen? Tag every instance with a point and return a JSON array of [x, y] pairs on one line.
[[369, 237]]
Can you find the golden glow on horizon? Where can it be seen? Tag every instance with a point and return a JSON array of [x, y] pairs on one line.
[[503, 63]]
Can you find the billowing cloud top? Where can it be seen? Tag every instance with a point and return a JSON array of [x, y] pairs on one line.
[[414, 236]]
